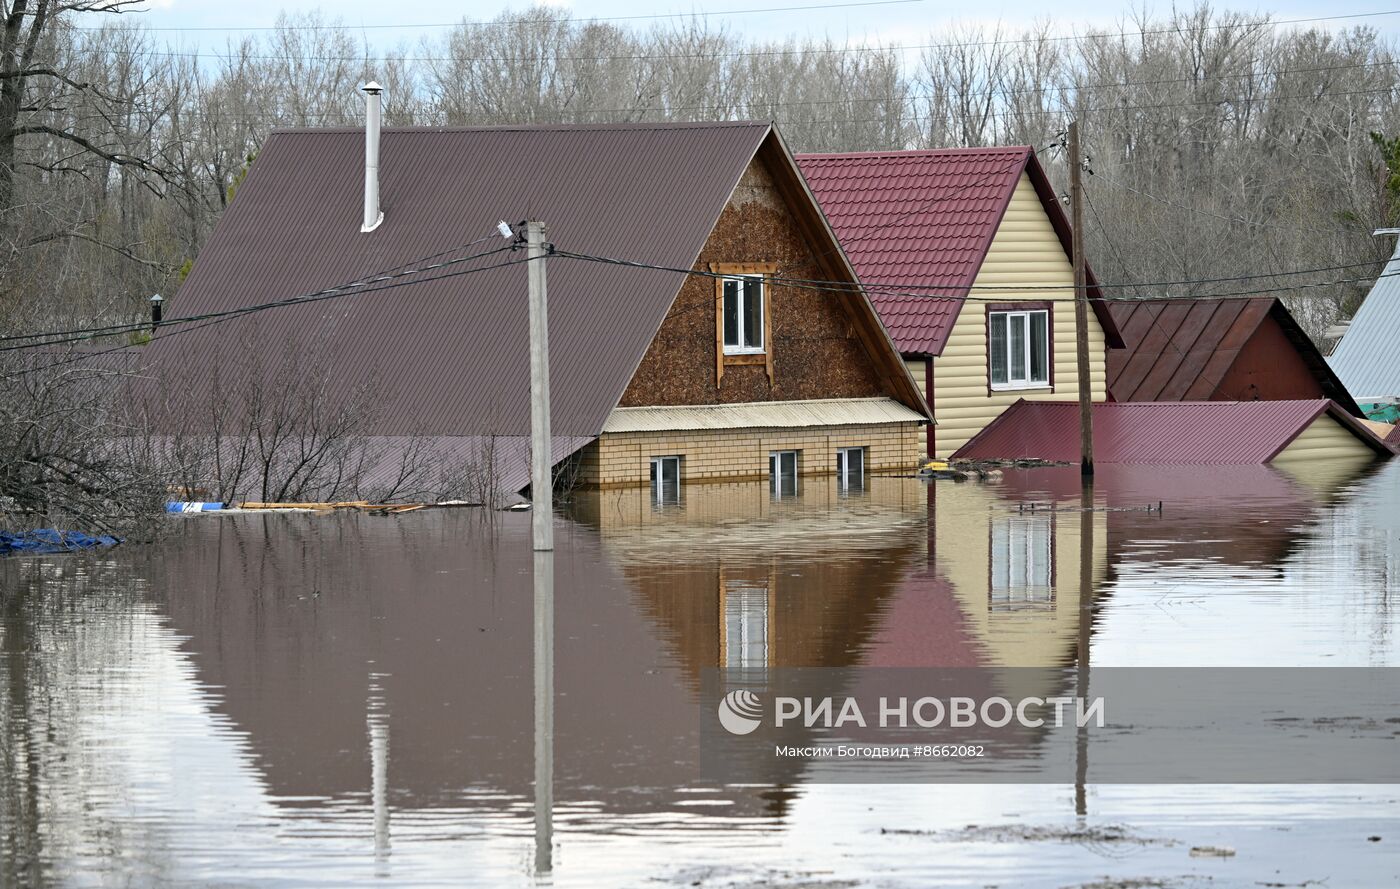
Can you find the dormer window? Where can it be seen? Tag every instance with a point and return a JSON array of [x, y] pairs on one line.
[[743, 315]]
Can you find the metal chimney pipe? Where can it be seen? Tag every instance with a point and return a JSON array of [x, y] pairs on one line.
[[373, 215]]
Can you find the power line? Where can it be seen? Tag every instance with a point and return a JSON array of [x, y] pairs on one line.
[[393, 279], [52, 338], [381, 26], [961, 293], [1268, 23], [1113, 183], [750, 109]]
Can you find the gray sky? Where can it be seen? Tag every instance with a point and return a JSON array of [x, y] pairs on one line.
[[899, 21]]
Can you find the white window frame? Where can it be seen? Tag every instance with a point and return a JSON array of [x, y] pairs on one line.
[[843, 468], [1026, 382], [1022, 563], [745, 624], [742, 294], [775, 473], [658, 478]]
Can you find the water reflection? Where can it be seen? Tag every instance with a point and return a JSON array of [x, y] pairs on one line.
[[284, 699]]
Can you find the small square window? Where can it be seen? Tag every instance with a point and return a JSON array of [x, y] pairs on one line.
[[743, 315], [782, 474], [850, 469], [665, 480], [1018, 349]]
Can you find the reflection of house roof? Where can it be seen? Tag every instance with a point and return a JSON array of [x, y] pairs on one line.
[[1182, 349], [1201, 508], [1161, 433], [1365, 357], [923, 626], [925, 219]]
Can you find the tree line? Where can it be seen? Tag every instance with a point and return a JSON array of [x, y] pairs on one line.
[[1222, 144]]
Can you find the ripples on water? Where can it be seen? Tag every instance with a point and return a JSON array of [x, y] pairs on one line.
[[297, 700]]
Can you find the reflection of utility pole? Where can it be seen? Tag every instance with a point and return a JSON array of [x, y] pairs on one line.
[[544, 711], [378, 719], [1086, 619], [541, 482], [1081, 302]]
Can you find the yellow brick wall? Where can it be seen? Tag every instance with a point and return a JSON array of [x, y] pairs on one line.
[[1025, 252], [711, 455]]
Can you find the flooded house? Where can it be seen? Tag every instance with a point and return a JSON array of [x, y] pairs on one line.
[[683, 347], [1300, 433], [966, 253], [1218, 349], [1364, 358]]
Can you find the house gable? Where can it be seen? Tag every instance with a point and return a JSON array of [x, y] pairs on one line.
[[817, 344], [1268, 368], [1025, 252]]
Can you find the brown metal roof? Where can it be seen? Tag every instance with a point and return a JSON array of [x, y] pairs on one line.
[[449, 358], [447, 353], [1181, 349], [1162, 433]]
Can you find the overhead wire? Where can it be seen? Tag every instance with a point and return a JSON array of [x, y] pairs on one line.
[[60, 337], [518, 21]]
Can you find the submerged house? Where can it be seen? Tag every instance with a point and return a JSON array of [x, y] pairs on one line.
[[1365, 357], [966, 254], [658, 376], [1217, 349], [1177, 433]]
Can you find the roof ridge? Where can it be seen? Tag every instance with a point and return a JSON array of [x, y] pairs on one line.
[[917, 152], [528, 128]]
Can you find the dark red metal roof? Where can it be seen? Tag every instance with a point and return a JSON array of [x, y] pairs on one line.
[[1181, 349], [925, 219], [1163, 432], [448, 357]]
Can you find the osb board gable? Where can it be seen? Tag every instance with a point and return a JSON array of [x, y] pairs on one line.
[[816, 351]]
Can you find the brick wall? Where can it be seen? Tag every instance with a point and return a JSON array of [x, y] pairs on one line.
[[623, 459]]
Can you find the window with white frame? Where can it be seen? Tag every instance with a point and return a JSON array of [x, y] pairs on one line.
[[665, 480], [782, 473], [745, 607], [1018, 349], [1022, 571], [743, 315], [850, 469]]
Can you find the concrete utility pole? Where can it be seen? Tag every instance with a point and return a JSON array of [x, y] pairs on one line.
[[1081, 303], [541, 481]]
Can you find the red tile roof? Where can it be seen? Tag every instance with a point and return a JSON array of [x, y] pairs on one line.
[[923, 220], [1162, 432], [1181, 349]]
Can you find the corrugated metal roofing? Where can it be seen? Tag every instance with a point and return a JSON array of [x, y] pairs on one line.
[[925, 219], [1365, 359], [1181, 349], [762, 414], [448, 356], [1163, 433]]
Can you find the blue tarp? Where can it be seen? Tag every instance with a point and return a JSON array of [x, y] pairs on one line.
[[51, 540], [180, 506]]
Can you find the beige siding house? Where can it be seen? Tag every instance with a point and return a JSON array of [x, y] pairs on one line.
[[965, 253]]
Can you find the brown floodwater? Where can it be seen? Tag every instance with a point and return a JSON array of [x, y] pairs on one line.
[[307, 700]]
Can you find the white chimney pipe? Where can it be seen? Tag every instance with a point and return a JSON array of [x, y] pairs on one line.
[[373, 215]]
